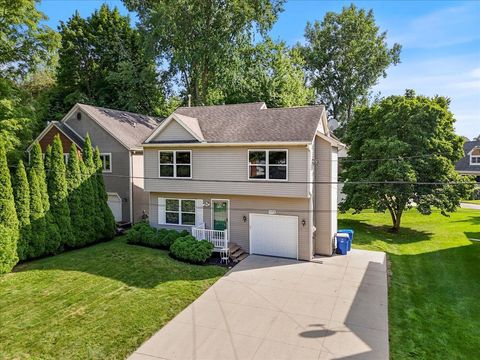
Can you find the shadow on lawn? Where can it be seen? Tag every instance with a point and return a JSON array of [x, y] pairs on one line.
[[135, 266], [370, 233]]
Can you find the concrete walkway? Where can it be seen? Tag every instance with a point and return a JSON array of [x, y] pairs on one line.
[[470, 206], [271, 308]]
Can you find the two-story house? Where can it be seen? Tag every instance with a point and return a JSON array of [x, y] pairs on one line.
[[263, 178], [470, 163], [119, 136]]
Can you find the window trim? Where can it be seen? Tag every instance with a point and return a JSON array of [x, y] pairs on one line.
[[267, 165], [103, 166], [66, 158], [180, 212], [174, 164], [476, 157]]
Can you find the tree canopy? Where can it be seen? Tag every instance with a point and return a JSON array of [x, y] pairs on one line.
[[196, 39], [346, 54], [25, 42], [407, 139], [102, 62]]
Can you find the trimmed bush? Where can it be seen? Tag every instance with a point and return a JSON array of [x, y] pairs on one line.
[[191, 250], [8, 249], [141, 234], [171, 236]]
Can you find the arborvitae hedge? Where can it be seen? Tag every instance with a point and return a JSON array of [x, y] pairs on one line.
[[21, 191], [88, 190], [37, 217], [75, 200], [36, 163], [102, 198], [57, 186], [8, 217]]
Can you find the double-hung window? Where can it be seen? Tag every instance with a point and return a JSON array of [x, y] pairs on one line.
[[106, 162], [181, 212], [267, 164], [175, 163]]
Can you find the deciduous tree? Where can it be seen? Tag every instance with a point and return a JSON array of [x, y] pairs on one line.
[[197, 38], [407, 139], [346, 54]]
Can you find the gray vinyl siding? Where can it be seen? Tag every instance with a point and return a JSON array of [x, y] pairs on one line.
[[173, 132], [325, 202], [241, 206], [228, 164], [140, 199], [118, 180]]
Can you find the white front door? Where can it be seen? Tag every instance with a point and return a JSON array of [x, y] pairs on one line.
[[115, 204], [275, 235]]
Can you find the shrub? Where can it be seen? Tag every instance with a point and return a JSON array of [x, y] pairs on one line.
[[144, 234], [191, 250], [8, 249], [141, 234], [170, 236]]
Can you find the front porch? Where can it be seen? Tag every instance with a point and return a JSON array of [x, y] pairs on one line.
[[219, 238]]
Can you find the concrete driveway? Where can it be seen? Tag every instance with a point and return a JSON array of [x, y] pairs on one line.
[[271, 308]]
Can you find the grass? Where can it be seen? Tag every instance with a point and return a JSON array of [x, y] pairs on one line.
[[99, 302], [476, 202], [434, 293]]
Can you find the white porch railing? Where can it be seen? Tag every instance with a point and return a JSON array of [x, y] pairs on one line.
[[219, 238]]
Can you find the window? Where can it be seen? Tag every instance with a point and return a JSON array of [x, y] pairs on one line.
[[106, 162], [181, 212], [475, 159], [177, 163], [267, 164], [65, 158]]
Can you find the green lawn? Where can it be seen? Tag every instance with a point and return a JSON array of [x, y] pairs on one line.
[[99, 302], [477, 202], [434, 293]]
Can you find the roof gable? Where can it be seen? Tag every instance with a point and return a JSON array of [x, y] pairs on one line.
[[177, 128], [64, 129], [129, 129], [249, 123]]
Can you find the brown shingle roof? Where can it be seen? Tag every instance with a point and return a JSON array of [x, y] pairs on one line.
[[129, 128], [255, 123]]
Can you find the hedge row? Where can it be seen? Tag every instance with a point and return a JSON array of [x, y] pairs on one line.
[[181, 244], [52, 207]]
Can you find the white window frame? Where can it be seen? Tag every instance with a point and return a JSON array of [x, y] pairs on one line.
[[267, 165], [174, 164], [66, 157], [477, 157], [180, 212], [103, 162]]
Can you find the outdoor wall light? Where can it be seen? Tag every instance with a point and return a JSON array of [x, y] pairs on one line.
[[303, 222], [244, 218]]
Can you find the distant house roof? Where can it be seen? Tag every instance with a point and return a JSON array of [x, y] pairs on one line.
[[250, 123], [130, 129], [65, 130], [464, 163]]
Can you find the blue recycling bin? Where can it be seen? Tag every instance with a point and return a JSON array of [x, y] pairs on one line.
[[342, 243], [350, 236]]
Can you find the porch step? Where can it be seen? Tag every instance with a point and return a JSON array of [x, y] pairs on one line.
[[236, 252]]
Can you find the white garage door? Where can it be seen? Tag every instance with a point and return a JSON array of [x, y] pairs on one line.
[[275, 235], [115, 204]]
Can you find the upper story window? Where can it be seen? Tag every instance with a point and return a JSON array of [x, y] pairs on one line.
[[106, 162], [175, 163], [65, 158], [475, 157], [267, 164]]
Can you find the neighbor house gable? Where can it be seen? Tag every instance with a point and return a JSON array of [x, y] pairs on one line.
[[67, 137]]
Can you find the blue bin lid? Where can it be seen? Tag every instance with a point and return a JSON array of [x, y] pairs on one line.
[[342, 235]]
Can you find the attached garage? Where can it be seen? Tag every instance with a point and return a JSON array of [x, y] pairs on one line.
[[274, 235], [115, 204]]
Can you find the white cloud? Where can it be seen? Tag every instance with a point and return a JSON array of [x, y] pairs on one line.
[[445, 27]]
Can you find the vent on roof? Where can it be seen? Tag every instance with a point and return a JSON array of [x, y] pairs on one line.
[[79, 115]]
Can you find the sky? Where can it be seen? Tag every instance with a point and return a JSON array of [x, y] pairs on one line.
[[440, 44]]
